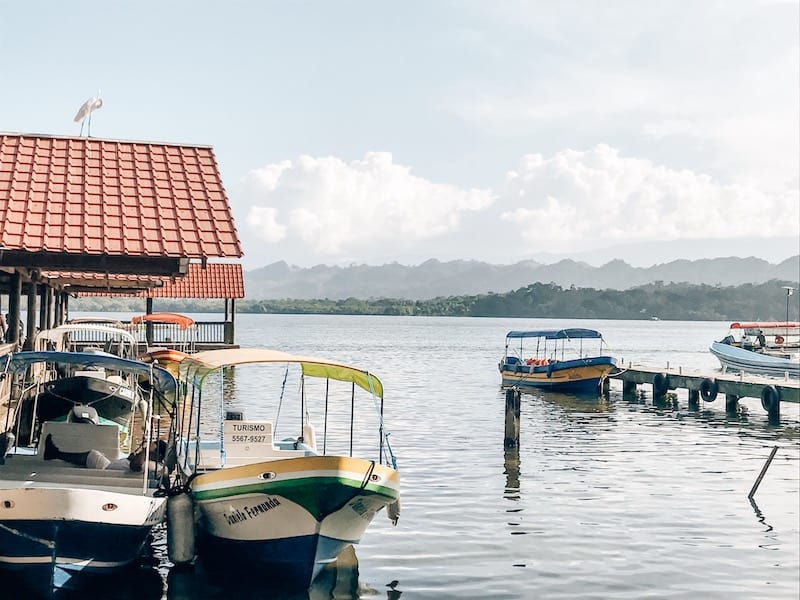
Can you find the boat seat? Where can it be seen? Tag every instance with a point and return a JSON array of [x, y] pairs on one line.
[[81, 437]]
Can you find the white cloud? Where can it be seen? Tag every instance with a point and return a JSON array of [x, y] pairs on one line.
[[578, 200], [264, 220], [336, 209], [325, 210]]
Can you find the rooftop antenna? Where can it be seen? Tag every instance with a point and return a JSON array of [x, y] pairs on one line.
[[86, 110]]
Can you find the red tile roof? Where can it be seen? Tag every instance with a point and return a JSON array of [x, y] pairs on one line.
[[216, 280], [97, 196]]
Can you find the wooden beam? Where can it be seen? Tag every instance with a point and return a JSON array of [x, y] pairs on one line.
[[135, 265], [14, 299], [31, 325]]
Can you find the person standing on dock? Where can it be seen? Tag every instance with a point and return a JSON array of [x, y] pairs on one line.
[[762, 341]]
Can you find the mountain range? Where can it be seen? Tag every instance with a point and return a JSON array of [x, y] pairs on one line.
[[432, 278]]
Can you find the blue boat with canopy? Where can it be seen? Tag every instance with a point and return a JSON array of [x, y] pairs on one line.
[[555, 359]]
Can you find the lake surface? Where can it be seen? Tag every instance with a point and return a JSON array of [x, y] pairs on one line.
[[605, 498]]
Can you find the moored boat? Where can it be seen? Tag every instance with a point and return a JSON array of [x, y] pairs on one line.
[[285, 506], [761, 348], [179, 331], [558, 361], [80, 485]]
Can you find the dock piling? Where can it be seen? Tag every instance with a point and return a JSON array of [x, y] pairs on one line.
[[694, 399], [512, 418]]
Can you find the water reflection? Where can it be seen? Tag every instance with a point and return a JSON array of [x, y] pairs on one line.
[[760, 516], [142, 582], [337, 581], [572, 403]]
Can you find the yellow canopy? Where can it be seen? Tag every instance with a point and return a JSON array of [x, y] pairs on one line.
[[197, 366]]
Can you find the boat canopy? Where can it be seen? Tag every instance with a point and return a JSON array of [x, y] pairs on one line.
[[197, 366], [164, 381], [767, 325], [164, 317], [58, 333], [556, 334]]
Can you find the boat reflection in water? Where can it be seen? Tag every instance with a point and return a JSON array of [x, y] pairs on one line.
[[142, 582], [338, 579]]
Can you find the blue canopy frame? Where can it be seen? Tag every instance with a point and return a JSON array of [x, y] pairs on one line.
[[557, 334], [164, 380]]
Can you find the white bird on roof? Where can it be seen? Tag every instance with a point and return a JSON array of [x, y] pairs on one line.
[[91, 105]]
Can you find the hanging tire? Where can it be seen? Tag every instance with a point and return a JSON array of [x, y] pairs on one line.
[[709, 388], [660, 384], [770, 398]]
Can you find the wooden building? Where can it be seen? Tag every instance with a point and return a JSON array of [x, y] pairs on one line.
[[104, 215]]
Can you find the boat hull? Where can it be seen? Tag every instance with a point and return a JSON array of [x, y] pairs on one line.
[[54, 538], [738, 359], [579, 375], [289, 517]]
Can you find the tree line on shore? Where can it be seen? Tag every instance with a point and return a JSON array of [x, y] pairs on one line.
[[674, 301]]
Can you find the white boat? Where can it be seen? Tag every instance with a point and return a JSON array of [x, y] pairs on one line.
[[762, 348], [72, 505], [88, 336], [285, 506]]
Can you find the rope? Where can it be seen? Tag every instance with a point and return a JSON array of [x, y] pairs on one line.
[[280, 400]]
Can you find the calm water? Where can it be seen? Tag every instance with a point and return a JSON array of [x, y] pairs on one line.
[[605, 498]]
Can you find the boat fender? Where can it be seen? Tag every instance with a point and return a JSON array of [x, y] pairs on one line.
[[6, 443], [770, 398], [180, 528], [550, 369], [661, 384], [709, 388], [779, 340], [393, 511]]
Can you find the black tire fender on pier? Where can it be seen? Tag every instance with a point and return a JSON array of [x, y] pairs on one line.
[[661, 384], [709, 388], [770, 398]]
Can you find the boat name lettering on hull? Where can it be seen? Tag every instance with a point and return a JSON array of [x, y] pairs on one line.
[[251, 512]]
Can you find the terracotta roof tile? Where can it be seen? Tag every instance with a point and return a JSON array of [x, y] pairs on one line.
[[216, 280], [96, 196]]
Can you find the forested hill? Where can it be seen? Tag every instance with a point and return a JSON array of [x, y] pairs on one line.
[[767, 302], [433, 278], [686, 302]]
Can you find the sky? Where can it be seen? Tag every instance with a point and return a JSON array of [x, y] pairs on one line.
[[370, 132]]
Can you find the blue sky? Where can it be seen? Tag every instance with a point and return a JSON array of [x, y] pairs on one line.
[[371, 132]]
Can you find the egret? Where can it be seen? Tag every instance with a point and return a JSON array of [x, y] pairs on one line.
[[91, 105]]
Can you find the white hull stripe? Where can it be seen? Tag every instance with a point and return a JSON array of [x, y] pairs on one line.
[[61, 560]]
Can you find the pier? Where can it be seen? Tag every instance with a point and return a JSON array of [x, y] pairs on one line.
[[709, 386]]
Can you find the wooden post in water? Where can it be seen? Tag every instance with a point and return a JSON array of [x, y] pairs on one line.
[[763, 471], [731, 403], [694, 399], [512, 418], [628, 389]]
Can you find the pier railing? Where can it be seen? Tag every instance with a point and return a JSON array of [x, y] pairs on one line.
[[203, 335]]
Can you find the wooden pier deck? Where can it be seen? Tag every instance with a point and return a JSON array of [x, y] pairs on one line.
[[709, 385]]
